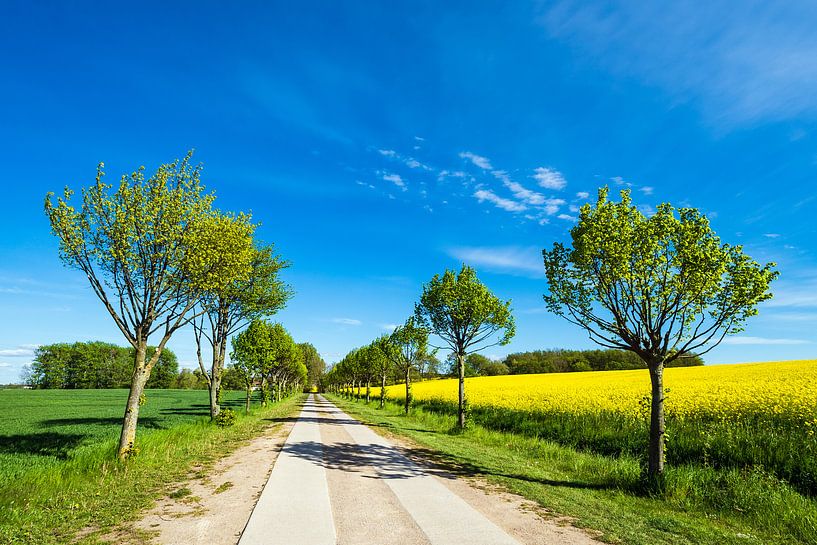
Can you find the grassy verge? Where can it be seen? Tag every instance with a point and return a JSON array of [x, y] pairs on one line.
[[701, 505], [89, 489]]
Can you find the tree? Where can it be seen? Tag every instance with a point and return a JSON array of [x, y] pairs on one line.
[[477, 363], [494, 368], [249, 348], [232, 379], [148, 257], [231, 306], [465, 315], [315, 365], [410, 349], [429, 366], [380, 354], [663, 287]]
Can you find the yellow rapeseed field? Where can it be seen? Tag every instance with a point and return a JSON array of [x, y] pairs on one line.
[[770, 390]]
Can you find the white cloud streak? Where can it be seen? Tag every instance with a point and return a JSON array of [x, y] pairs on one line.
[[346, 321], [500, 202], [549, 178], [525, 261], [477, 160]]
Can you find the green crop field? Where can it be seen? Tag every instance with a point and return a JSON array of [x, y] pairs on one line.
[[58, 469], [44, 427]]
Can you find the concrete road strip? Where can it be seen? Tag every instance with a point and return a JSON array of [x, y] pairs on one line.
[[294, 506], [444, 517], [414, 507]]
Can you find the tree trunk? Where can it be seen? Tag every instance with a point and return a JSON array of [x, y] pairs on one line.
[[214, 384], [461, 399], [655, 462], [408, 389], [127, 438], [382, 390], [358, 389], [264, 392], [368, 390], [214, 407], [249, 396]]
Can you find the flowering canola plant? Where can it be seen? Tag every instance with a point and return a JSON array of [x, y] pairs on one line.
[[781, 391]]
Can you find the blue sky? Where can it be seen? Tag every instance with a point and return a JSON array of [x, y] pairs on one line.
[[379, 144]]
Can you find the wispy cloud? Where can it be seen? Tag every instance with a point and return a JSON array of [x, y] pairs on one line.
[[396, 179], [477, 160], [388, 327], [345, 321], [525, 261], [549, 178], [582, 195], [647, 190], [519, 191], [21, 351], [552, 206], [738, 66], [746, 340], [499, 202]]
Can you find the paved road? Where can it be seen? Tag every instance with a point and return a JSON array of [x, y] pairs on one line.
[[337, 482]]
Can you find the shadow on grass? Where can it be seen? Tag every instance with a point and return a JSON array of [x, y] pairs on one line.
[[144, 422], [42, 444]]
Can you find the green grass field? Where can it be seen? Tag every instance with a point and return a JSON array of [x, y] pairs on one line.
[[58, 472], [701, 506], [43, 427]]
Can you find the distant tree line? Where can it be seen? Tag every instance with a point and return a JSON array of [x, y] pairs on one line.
[[562, 361], [96, 364]]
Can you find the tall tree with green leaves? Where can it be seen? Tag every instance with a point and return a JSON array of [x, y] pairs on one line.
[[466, 316], [663, 286], [409, 350], [250, 347], [379, 352], [148, 255], [231, 307], [315, 365]]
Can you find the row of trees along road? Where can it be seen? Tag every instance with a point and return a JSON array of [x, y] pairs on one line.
[[663, 287], [265, 354], [160, 256]]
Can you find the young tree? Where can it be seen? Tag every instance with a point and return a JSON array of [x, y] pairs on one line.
[[232, 306], [381, 360], [663, 287], [315, 365], [249, 349], [461, 311], [410, 349], [146, 258]]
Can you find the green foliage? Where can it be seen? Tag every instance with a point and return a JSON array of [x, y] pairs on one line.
[[95, 364], [463, 312], [231, 379], [315, 366], [225, 418], [151, 248], [151, 245], [266, 353], [663, 287], [564, 361]]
